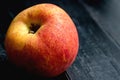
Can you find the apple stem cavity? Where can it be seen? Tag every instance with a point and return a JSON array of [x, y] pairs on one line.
[[34, 28]]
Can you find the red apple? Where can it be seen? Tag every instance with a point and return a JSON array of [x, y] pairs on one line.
[[43, 40]]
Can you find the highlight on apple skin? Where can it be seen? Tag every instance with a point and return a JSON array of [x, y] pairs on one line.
[[43, 40]]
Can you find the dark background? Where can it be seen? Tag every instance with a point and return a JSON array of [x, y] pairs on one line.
[[97, 22]]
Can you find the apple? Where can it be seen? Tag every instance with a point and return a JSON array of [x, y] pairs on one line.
[[43, 40]]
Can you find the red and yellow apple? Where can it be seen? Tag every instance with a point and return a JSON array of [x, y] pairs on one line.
[[43, 40]]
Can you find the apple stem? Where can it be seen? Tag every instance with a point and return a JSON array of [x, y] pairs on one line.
[[34, 28]]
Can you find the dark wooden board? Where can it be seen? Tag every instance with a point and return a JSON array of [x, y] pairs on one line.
[[98, 57]]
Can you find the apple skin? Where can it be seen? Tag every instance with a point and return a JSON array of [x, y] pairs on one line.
[[51, 49]]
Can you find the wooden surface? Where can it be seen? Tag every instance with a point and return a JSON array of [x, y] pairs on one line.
[[107, 16], [99, 54]]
